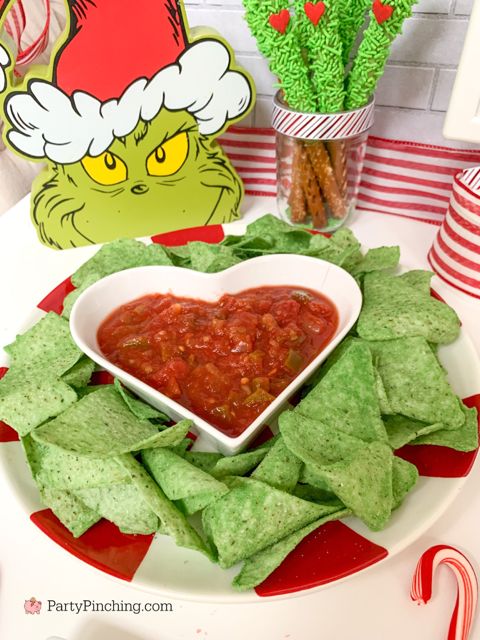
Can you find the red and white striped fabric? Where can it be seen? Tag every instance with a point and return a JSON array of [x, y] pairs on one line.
[[15, 25], [455, 253], [467, 587], [401, 178], [319, 126]]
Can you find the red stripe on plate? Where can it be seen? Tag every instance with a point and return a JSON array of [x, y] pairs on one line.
[[329, 553], [265, 435], [101, 377], [53, 301], [442, 462], [7, 434], [212, 234], [103, 546]]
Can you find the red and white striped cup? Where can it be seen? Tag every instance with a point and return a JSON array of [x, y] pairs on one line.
[[455, 253]]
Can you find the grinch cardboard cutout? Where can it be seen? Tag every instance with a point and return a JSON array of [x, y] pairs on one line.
[[126, 118]]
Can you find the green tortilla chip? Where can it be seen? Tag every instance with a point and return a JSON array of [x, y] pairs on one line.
[[259, 566], [73, 296], [111, 258], [316, 442], [122, 504], [278, 232], [55, 478], [60, 469], [70, 510], [342, 249], [419, 279], [140, 409], [384, 404], [204, 460], [26, 403], [81, 372], [319, 496], [463, 439], [378, 259], [100, 425], [117, 256], [172, 521], [251, 517], [280, 468], [182, 481], [242, 463], [346, 397], [311, 476], [402, 430], [404, 477], [363, 483], [415, 383], [392, 308], [210, 258], [45, 350]]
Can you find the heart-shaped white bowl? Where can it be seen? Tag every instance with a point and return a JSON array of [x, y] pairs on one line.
[[106, 295]]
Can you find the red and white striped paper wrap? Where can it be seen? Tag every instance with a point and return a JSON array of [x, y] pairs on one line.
[[321, 126], [455, 253]]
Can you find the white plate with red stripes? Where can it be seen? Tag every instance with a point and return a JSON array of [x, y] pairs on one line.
[[333, 553]]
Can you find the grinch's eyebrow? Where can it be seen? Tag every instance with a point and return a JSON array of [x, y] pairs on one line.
[[141, 134], [183, 128]]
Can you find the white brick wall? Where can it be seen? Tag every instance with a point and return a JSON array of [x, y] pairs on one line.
[[413, 94]]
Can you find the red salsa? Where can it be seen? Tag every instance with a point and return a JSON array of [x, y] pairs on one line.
[[225, 361]]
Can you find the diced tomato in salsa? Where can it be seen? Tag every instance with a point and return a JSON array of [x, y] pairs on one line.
[[225, 361]]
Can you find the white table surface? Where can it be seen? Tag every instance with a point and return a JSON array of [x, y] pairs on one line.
[[372, 606]]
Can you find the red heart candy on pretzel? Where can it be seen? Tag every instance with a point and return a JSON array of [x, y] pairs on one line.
[[314, 11], [279, 21], [382, 12]]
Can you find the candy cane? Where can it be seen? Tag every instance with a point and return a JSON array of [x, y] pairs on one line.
[[467, 586]]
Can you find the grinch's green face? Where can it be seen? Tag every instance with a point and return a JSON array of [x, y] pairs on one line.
[[162, 176]]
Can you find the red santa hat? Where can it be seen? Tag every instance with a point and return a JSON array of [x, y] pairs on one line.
[[122, 63]]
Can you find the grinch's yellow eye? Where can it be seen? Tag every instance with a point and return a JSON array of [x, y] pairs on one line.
[[106, 169], [168, 157]]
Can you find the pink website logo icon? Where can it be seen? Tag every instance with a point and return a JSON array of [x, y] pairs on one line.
[[32, 606]]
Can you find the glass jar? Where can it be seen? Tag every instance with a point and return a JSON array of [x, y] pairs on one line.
[[319, 163]]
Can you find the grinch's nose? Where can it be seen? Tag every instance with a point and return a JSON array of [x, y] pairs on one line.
[[139, 188]]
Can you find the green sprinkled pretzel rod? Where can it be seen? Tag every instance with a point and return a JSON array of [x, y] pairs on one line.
[[386, 21], [309, 45], [271, 25], [318, 26], [352, 15], [319, 33]]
